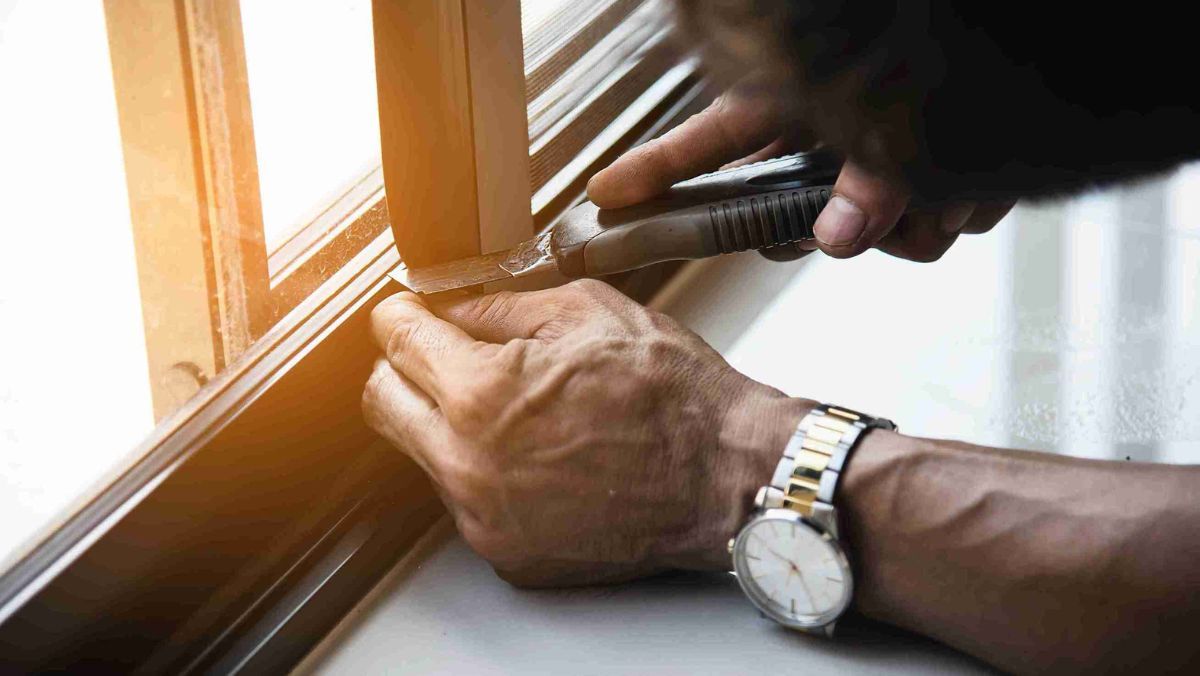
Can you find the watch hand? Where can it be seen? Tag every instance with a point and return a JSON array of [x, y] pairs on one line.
[[807, 592], [774, 553]]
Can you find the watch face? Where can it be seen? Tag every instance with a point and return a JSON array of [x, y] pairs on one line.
[[794, 573]]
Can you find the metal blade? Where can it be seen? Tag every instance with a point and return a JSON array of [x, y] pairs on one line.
[[526, 258], [455, 274]]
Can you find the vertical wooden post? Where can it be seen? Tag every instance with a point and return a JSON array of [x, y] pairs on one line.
[[183, 109], [452, 125], [496, 55], [225, 146]]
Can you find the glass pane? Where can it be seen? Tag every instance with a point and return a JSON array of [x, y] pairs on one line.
[[311, 66], [74, 389]]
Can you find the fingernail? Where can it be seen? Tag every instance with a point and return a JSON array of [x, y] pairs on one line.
[[840, 222], [807, 245]]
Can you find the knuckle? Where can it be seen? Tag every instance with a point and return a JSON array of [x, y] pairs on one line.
[[660, 350], [979, 228], [662, 323], [490, 544], [930, 256], [395, 320], [508, 362], [400, 338], [924, 254], [661, 157], [370, 407], [374, 382], [717, 105], [467, 481], [465, 485], [706, 118], [491, 547], [372, 394], [406, 337], [467, 404]]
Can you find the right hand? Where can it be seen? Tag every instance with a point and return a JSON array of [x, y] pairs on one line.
[[575, 436], [866, 210]]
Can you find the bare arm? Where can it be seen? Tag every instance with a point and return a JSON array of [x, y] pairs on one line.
[[578, 437], [1029, 561]]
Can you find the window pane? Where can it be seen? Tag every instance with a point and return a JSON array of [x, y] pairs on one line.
[[311, 66], [74, 391]]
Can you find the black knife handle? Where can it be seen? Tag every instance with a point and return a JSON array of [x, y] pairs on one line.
[[758, 206]]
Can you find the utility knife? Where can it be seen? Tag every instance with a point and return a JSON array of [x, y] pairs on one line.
[[767, 204]]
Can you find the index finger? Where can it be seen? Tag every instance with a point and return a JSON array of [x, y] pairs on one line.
[[431, 352], [729, 129]]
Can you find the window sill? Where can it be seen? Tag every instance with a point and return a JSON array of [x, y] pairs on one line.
[[456, 616]]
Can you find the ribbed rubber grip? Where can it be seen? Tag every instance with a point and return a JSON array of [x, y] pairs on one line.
[[767, 220]]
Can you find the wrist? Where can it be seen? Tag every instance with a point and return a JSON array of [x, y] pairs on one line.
[[751, 437], [868, 497]]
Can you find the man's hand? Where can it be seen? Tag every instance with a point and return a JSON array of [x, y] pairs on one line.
[[866, 210], [575, 436]]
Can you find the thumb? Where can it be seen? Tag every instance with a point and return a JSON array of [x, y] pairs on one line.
[[506, 315], [864, 208]]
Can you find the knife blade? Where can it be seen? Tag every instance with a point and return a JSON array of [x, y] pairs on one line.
[[758, 206], [526, 258]]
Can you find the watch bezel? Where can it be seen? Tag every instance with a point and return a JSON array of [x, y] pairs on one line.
[[758, 597]]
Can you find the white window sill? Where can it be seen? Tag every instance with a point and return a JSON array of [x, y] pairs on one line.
[[443, 611]]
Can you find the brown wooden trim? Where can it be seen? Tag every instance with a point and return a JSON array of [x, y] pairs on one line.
[[501, 129], [426, 128], [183, 109], [455, 156], [154, 105], [225, 140]]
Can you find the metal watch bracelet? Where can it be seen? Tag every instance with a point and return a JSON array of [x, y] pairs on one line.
[[807, 475]]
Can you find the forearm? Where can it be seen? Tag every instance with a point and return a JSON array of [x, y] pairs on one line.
[[1028, 561]]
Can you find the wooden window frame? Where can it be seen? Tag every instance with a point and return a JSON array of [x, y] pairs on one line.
[[455, 157], [183, 106], [209, 285], [262, 508]]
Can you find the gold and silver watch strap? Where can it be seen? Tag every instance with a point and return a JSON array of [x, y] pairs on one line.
[[807, 476]]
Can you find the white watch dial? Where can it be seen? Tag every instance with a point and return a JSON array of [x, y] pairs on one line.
[[793, 572]]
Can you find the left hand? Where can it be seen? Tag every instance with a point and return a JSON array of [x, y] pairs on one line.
[[867, 209], [574, 435]]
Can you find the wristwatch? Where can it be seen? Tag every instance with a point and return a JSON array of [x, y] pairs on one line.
[[787, 558]]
